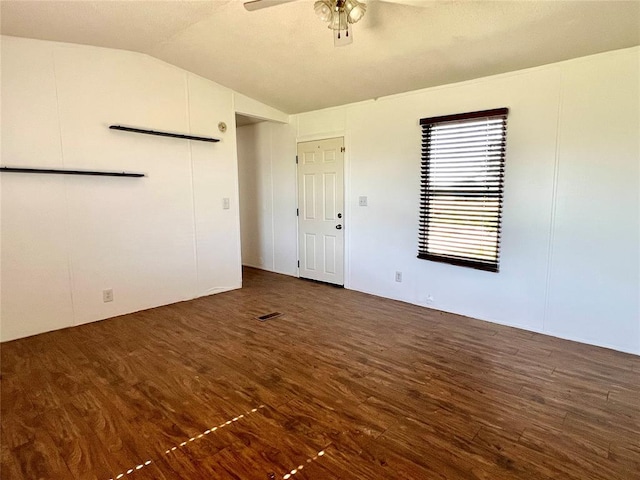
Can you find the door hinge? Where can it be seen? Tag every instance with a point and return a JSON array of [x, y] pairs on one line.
[[296, 159], [298, 263], [342, 149], [297, 212]]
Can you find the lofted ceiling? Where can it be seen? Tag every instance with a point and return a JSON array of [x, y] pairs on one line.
[[284, 55]]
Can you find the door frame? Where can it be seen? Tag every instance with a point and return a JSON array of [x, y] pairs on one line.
[[346, 180]]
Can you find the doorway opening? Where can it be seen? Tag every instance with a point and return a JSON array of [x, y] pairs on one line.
[[250, 192]]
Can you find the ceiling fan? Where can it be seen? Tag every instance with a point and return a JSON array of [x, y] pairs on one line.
[[339, 14]]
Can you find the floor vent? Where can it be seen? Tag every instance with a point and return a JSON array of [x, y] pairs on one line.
[[269, 316]]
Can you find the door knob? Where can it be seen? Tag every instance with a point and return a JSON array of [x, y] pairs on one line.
[[339, 215], [338, 227]]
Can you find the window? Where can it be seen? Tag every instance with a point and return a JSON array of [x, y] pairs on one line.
[[461, 188]]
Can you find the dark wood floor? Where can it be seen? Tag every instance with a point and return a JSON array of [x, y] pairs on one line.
[[342, 386]]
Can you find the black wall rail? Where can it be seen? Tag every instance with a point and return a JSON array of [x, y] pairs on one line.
[[163, 134], [57, 171]]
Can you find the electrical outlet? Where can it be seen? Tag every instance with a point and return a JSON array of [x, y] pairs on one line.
[[398, 276], [225, 203], [429, 300], [362, 201], [107, 295]]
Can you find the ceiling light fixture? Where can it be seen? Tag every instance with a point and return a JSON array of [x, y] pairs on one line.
[[340, 14]]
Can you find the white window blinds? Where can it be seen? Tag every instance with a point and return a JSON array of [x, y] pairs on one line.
[[462, 182]]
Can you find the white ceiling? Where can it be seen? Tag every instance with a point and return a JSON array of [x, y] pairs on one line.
[[284, 55]]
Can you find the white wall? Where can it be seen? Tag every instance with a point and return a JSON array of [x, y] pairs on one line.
[[248, 106], [570, 252], [153, 240], [570, 255], [266, 158]]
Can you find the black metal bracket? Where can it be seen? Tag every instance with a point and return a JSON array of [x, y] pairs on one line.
[[163, 134], [61, 171]]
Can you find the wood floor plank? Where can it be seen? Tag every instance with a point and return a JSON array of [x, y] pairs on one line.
[[40, 459], [9, 469], [203, 390]]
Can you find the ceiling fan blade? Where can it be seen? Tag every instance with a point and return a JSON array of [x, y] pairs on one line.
[[258, 4]]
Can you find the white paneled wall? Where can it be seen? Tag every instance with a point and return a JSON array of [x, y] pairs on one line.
[[570, 263], [153, 240], [570, 247], [594, 267]]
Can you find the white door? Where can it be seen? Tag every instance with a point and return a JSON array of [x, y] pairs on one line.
[[321, 210]]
